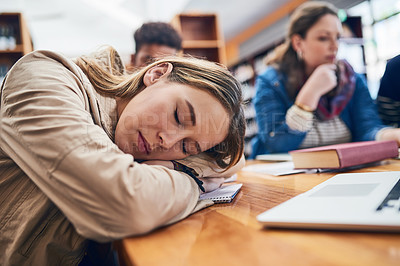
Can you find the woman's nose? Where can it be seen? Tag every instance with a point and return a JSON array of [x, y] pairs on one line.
[[169, 139], [335, 44]]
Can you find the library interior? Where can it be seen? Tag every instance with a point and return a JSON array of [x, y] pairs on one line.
[[224, 223]]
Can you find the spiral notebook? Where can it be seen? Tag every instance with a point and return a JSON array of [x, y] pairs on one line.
[[223, 194]]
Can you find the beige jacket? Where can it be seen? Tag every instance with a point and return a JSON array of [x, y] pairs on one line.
[[63, 180]]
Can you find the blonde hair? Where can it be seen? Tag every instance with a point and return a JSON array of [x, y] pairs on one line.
[[198, 73], [284, 57]]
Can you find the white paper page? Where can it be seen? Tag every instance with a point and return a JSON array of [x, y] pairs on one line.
[[284, 168], [274, 157], [226, 193]]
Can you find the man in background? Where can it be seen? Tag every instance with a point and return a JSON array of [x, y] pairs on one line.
[[154, 39]]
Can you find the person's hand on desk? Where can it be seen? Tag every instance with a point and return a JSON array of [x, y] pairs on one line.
[[209, 183], [212, 183], [167, 164], [389, 134]]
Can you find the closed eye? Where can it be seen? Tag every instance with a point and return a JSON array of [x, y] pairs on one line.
[[177, 117], [184, 150], [184, 147]]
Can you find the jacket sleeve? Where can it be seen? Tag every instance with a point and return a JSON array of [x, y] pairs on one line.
[[365, 121], [49, 133], [205, 167], [271, 104]]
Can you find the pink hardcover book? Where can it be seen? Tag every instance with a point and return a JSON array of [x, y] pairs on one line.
[[344, 155]]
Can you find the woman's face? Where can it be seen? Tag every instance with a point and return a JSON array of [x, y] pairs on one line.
[[320, 44], [167, 121]]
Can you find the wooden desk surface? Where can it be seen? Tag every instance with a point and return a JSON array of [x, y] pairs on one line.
[[229, 234]]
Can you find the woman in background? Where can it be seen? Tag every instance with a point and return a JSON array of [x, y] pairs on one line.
[[307, 98], [71, 132]]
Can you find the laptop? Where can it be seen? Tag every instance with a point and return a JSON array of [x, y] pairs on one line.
[[352, 201]]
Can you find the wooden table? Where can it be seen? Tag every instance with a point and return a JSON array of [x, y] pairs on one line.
[[229, 234]]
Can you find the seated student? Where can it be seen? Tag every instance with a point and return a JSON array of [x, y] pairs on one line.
[[153, 40], [306, 98], [71, 131], [388, 99]]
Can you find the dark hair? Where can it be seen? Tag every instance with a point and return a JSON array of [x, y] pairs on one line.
[[157, 33], [284, 56]]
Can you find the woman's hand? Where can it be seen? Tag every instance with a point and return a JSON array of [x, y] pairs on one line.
[[390, 134], [212, 183], [167, 164], [321, 81], [209, 183]]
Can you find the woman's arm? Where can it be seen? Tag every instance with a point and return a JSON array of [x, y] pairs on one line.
[[203, 166], [208, 172], [208, 168], [271, 103]]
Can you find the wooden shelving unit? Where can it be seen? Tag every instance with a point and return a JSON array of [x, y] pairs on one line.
[[15, 40], [201, 36], [246, 71]]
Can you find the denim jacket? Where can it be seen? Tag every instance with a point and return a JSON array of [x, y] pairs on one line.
[[272, 101]]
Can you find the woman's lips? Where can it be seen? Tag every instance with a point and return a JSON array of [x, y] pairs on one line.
[[331, 58], [143, 145]]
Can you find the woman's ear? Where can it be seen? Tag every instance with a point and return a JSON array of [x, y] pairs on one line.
[[156, 73], [296, 42]]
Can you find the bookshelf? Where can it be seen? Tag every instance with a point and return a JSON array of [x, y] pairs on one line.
[[15, 40], [201, 36], [246, 72], [352, 46]]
